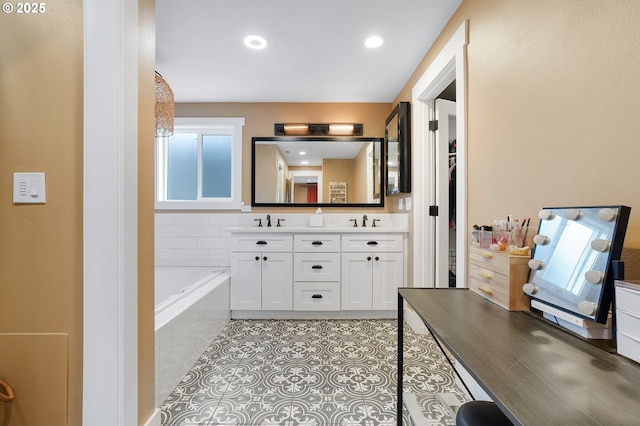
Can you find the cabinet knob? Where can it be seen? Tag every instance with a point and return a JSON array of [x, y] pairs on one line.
[[257, 257], [316, 296], [377, 258], [264, 258], [316, 267], [368, 257]]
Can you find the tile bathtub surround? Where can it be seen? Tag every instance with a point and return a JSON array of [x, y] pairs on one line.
[[320, 372]]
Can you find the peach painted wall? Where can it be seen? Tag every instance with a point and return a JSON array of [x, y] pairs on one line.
[[553, 108], [41, 124], [260, 118], [146, 184]]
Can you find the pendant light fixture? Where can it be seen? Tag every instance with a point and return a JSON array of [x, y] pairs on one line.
[[164, 107]]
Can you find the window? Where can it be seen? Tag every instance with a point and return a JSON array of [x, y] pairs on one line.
[[199, 166]]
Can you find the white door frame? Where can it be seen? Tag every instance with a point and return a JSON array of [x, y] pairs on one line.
[[110, 199], [449, 65]]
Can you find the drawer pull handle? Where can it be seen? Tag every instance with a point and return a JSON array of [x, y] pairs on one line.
[[486, 290], [486, 276], [487, 255], [316, 267], [372, 243], [261, 243], [316, 243], [316, 296]]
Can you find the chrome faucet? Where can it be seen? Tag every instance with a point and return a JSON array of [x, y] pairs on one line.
[[374, 222], [364, 220], [269, 220]]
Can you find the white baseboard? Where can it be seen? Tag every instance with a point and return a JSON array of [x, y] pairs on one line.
[[154, 419]]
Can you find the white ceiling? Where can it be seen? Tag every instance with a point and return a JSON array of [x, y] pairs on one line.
[[315, 52]]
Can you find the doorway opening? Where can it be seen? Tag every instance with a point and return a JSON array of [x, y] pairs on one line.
[[439, 225]]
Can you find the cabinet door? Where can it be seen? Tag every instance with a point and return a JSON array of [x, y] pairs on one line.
[[356, 281], [277, 281], [245, 281], [388, 275]]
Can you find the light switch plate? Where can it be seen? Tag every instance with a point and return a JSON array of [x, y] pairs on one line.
[[29, 188], [407, 203]]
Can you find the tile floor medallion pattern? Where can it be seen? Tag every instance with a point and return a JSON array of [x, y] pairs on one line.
[[309, 372]]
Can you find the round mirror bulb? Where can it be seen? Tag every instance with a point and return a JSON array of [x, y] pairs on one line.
[[573, 214], [536, 264], [541, 240], [601, 245], [607, 214], [587, 308], [594, 277], [546, 215]]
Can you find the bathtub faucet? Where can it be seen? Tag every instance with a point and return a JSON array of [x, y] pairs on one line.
[[268, 220]]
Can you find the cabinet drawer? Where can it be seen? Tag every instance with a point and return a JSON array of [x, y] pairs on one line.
[[488, 291], [317, 267], [315, 243], [373, 243], [628, 297], [628, 323], [498, 262], [262, 243], [316, 296], [489, 276]]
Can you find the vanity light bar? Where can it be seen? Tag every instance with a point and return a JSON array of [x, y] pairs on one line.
[[318, 129]]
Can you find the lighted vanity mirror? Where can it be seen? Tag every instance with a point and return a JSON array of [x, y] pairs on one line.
[[317, 171], [572, 263]]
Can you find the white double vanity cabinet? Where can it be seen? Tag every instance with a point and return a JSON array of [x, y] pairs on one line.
[[298, 272]]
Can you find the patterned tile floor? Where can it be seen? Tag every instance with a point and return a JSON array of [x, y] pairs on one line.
[[319, 372]]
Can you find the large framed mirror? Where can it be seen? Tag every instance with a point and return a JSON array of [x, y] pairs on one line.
[[398, 149], [317, 171]]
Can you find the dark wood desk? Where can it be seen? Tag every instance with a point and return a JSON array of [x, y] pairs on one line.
[[535, 372]]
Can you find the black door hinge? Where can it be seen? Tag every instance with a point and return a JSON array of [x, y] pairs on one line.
[[433, 210], [433, 125]]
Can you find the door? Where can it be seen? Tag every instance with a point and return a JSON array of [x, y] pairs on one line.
[[444, 190], [356, 281], [246, 270], [388, 276], [277, 281]]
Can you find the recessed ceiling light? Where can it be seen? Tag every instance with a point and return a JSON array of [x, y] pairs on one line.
[[302, 153], [373, 42], [255, 42]]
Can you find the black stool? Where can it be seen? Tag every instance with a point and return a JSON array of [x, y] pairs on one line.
[[481, 413]]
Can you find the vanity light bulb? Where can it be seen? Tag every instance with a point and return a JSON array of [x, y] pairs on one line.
[[587, 308], [530, 288], [602, 246], [546, 215], [573, 214], [594, 277], [536, 264], [541, 240], [607, 215]]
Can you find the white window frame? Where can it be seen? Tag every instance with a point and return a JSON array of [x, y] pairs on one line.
[[209, 125]]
